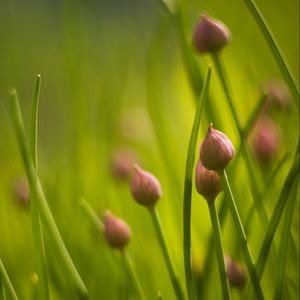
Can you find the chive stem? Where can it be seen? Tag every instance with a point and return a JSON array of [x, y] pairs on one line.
[[163, 244], [219, 249], [242, 236], [187, 197], [6, 283]]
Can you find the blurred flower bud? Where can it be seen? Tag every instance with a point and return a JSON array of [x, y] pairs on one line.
[[145, 187], [210, 35], [235, 272], [278, 95], [20, 190], [122, 162], [116, 231], [208, 182], [265, 140], [216, 150]]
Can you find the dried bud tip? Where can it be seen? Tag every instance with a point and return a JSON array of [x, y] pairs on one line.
[[208, 183], [145, 187], [116, 231], [210, 35], [235, 272], [216, 150]]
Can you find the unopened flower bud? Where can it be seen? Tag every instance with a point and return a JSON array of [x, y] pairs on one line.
[[216, 150], [208, 182], [145, 187], [20, 189], [116, 231], [210, 35], [265, 140], [235, 272]]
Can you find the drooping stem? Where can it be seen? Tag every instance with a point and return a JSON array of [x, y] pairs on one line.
[[242, 236], [163, 244], [219, 249], [6, 283], [187, 197], [132, 273]]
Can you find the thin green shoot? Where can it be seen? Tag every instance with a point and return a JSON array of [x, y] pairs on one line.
[[163, 244], [6, 283], [187, 198], [219, 249]]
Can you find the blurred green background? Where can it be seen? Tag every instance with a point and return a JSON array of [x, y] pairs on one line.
[[113, 77]]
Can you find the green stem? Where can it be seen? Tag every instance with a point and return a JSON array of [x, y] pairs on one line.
[[162, 241], [276, 216], [187, 197], [243, 239], [91, 214], [252, 175], [6, 282], [290, 209], [219, 249], [37, 230], [42, 202], [275, 49], [132, 273]]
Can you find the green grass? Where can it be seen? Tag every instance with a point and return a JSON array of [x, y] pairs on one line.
[[124, 74]]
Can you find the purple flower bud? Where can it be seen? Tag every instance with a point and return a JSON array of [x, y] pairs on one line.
[[210, 35], [235, 272], [208, 182], [116, 231], [216, 150], [265, 140], [20, 190], [145, 187]]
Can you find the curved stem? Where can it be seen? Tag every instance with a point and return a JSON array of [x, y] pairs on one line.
[[132, 273], [275, 49], [242, 236], [187, 197], [162, 241], [219, 249], [252, 176]]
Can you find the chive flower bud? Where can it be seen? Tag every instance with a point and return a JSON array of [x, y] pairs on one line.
[[210, 35], [208, 183], [145, 187], [20, 189], [216, 150], [235, 272], [116, 231]]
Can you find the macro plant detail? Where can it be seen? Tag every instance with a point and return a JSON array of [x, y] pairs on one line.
[[157, 155]]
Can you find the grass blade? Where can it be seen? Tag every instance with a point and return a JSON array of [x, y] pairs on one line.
[[162, 241], [276, 216], [275, 49], [5, 282], [187, 197], [37, 230], [243, 238], [43, 204], [219, 249]]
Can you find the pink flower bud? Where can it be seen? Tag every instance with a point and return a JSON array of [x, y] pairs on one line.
[[210, 35], [116, 231], [145, 187], [265, 140], [235, 272], [216, 150], [20, 190], [208, 182]]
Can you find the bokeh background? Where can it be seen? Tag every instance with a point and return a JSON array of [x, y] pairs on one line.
[[113, 78]]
